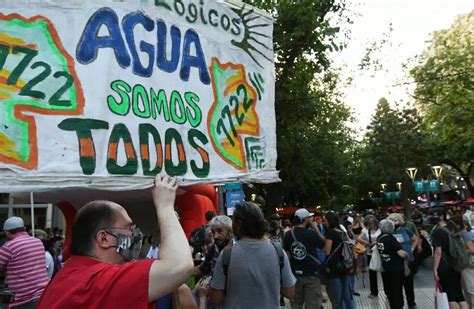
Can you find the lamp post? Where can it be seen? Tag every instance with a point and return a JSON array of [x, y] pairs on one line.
[[411, 171], [437, 171], [460, 187], [399, 186]]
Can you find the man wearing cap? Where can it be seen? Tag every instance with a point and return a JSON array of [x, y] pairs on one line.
[[301, 243], [22, 256]]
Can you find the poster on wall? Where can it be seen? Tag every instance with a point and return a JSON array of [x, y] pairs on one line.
[[107, 94]]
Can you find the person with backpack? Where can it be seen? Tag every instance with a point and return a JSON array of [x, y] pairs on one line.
[[300, 244], [467, 275], [450, 256], [337, 284], [409, 242], [255, 271]]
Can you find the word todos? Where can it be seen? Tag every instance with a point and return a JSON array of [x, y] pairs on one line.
[[148, 135]]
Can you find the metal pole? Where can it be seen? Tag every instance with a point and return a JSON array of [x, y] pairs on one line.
[[428, 197], [32, 215]]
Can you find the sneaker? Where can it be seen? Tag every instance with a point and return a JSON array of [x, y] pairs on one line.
[[355, 293], [373, 296]]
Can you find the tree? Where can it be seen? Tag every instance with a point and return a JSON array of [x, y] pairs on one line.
[[394, 141], [445, 93], [313, 139]]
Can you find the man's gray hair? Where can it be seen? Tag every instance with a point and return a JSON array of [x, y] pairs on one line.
[[387, 226], [221, 220]]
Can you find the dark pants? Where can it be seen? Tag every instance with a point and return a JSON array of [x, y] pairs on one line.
[[373, 279], [393, 287], [408, 285], [30, 305]]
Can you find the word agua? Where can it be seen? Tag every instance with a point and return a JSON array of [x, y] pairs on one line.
[[148, 135], [90, 43]]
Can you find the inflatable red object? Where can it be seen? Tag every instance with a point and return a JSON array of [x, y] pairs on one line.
[[193, 205], [69, 212]]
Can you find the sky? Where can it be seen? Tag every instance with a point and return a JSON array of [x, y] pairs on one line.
[[412, 23]]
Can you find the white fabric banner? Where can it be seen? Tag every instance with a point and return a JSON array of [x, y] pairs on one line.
[[106, 94]]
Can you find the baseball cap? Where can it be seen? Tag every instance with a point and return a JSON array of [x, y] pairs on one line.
[[303, 213], [275, 217], [13, 223]]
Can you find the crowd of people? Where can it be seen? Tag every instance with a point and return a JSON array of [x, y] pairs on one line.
[[242, 261]]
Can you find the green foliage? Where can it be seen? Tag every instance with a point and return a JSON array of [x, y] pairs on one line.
[[314, 142], [394, 141], [445, 90]]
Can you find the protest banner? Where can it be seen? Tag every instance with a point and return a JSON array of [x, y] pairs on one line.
[[106, 94]]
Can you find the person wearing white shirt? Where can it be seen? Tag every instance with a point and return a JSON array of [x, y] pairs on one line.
[[368, 237]]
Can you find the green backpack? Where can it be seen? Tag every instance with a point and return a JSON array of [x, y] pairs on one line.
[[457, 257]]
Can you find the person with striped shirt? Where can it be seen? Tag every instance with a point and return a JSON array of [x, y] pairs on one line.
[[23, 259]]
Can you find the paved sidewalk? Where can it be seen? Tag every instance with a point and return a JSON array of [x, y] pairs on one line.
[[424, 291]]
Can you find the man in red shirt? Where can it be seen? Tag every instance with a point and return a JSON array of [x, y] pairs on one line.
[[24, 260], [101, 272]]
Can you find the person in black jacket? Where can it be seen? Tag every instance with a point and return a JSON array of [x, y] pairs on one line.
[[392, 255]]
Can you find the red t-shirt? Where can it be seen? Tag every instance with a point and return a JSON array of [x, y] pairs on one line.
[[84, 282]]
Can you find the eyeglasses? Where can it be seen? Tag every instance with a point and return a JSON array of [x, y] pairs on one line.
[[131, 228]]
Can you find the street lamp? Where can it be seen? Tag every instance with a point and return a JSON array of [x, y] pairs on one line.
[[399, 186], [437, 170], [411, 171]]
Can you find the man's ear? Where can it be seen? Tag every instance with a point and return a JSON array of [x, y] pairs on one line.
[[103, 239]]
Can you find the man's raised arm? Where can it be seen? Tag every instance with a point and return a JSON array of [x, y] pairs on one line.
[[175, 264]]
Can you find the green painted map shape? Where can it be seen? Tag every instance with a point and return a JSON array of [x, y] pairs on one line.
[[232, 117], [36, 76]]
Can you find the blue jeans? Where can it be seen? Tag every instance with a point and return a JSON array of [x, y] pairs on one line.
[[341, 292]]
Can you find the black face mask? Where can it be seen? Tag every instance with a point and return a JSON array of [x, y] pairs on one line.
[[397, 226], [129, 246]]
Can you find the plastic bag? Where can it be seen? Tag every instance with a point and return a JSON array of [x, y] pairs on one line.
[[441, 298], [376, 261]]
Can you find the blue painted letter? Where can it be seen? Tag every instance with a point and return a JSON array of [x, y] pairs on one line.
[[129, 22], [198, 61], [161, 61], [90, 42]]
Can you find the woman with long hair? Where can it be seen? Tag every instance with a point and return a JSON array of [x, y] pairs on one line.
[[357, 225], [337, 282], [368, 237]]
